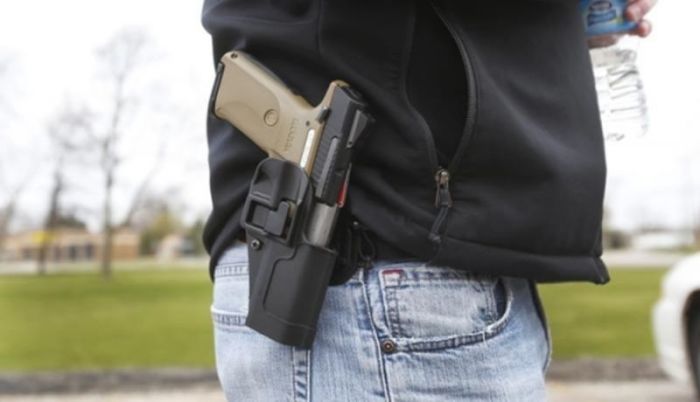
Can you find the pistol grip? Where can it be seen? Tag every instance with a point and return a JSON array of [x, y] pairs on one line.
[[258, 103]]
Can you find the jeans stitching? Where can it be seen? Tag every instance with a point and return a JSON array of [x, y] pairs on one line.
[[493, 299], [380, 361], [294, 374], [300, 374], [226, 319], [224, 270], [417, 276], [391, 303], [308, 374]]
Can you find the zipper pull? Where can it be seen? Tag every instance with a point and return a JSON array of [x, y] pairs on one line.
[[443, 198]]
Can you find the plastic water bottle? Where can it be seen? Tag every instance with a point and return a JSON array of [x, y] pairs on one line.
[[621, 97]]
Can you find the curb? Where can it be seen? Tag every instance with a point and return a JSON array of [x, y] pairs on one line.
[[611, 370], [105, 380]]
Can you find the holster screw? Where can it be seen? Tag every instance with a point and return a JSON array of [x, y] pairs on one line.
[[255, 244]]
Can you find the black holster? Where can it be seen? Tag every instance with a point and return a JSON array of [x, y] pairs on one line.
[[288, 275]]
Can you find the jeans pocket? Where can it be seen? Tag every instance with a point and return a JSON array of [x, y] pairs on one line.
[[250, 366], [429, 307], [230, 300]]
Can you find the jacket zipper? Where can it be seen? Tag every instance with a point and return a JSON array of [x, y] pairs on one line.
[[443, 200], [443, 197]]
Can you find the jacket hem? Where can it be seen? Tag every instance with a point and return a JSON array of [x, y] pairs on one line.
[[479, 258]]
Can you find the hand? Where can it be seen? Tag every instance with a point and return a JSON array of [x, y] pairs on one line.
[[636, 11]]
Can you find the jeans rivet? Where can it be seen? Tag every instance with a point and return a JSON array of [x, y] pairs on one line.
[[388, 346]]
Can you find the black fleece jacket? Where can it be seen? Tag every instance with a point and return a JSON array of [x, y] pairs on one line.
[[497, 95]]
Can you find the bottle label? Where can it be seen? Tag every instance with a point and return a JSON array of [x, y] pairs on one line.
[[604, 17]]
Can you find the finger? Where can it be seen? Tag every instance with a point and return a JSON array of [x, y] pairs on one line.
[[637, 9], [603, 41], [643, 29]]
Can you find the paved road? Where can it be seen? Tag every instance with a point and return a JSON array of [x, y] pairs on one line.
[[642, 391]]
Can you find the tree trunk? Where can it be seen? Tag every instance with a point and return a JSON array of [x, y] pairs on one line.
[[5, 218], [50, 222], [107, 229]]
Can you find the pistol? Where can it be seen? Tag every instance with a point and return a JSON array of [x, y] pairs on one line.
[[295, 194]]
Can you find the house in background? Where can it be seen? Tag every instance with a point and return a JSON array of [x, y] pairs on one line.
[[175, 246], [69, 245]]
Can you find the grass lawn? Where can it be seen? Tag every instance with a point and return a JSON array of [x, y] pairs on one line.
[[610, 320], [156, 318], [80, 321]]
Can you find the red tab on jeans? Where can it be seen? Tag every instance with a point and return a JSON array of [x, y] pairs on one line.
[[392, 271]]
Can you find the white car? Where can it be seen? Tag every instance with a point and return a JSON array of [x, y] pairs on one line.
[[676, 321]]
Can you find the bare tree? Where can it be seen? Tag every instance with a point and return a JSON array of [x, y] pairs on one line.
[[67, 133], [120, 57], [50, 221], [99, 135]]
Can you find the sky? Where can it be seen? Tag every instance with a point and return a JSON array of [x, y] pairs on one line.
[[51, 46]]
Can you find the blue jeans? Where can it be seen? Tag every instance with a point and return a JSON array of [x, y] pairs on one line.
[[395, 332]]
